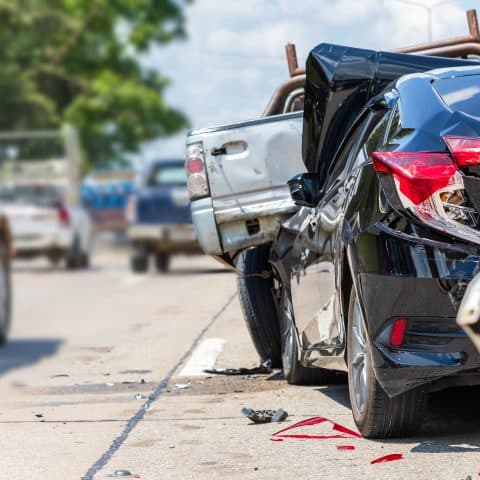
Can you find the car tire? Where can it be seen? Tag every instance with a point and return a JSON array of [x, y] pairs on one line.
[[162, 262], [375, 413], [74, 256], [295, 373], [139, 260], [254, 286], [5, 294], [85, 260]]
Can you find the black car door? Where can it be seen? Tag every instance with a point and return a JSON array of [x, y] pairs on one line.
[[313, 283]]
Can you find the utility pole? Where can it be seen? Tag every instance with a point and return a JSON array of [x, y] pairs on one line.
[[429, 9]]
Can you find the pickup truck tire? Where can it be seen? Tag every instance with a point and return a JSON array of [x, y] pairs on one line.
[[162, 262], [375, 413], [254, 286], [138, 259]]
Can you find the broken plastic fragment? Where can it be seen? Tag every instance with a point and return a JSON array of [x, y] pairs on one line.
[[181, 386], [388, 458], [122, 473], [265, 416], [139, 396], [344, 431], [264, 368]]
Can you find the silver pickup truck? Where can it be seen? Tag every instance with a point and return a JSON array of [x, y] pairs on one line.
[[237, 181]]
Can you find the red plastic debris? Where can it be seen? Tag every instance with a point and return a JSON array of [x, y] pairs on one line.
[[388, 458], [345, 447], [344, 431]]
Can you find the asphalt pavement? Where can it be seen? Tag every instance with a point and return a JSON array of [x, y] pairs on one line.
[[104, 373]]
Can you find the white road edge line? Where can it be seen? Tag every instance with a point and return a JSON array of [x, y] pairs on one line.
[[203, 357]]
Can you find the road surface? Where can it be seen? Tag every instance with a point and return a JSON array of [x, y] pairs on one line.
[[88, 379]]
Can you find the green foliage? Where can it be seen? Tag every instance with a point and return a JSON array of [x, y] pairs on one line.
[[76, 61]]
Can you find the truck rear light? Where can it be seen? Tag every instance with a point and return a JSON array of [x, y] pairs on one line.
[[398, 332], [465, 150], [63, 215], [430, 186], [197, 183], [194, 165]]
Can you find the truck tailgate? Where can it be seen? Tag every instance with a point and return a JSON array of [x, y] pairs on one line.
[[248, 165]]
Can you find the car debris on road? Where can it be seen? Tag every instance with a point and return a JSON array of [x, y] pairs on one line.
[[265, 416], [264, 368]]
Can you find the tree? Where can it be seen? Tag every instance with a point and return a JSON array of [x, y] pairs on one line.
[[77, 61]]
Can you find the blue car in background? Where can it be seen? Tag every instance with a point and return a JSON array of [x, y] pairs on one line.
[[158, 212], [104, 194]]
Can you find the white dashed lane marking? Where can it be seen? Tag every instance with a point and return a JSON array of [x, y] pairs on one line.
[[203, 357]]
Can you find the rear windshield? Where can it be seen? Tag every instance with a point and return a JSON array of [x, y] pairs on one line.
[[44, 195], [165, 176], [461, 94]]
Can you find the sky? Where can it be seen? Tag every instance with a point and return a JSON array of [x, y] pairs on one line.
[[234, 56]]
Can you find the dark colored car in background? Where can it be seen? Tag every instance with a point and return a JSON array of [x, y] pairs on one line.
[[369, 273], [160, 223]]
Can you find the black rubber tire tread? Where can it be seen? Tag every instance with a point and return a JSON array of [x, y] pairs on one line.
[[5, 328], [74, 256], [256, 301], [139, 264], [300, 375], [162, 262], [385, 417], [85, 261]]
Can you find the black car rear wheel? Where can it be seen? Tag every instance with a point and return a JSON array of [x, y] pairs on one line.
[[254, 285], [375, 413]]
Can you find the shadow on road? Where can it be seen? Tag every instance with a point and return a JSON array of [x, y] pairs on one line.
[[195, 271], [451, 425], [19, 353], [337, 390], [51, 270]]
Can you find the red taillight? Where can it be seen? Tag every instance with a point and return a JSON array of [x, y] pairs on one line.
[[63, 215], [398, 332], [194, 165], [419, 174], [465, 150], [197, 183]]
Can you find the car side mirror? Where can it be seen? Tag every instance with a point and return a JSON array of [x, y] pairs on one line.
[[304, 189]]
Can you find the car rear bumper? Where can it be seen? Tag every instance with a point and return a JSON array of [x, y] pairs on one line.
[[402, 278], [24, 245], [164, 237], [205, 226]]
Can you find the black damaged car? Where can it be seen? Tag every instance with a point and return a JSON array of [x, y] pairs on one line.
[[370, 271]]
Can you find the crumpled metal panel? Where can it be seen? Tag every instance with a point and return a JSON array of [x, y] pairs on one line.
[[340, 82]]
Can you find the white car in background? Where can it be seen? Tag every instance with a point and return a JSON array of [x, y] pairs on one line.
[[44, 223]]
